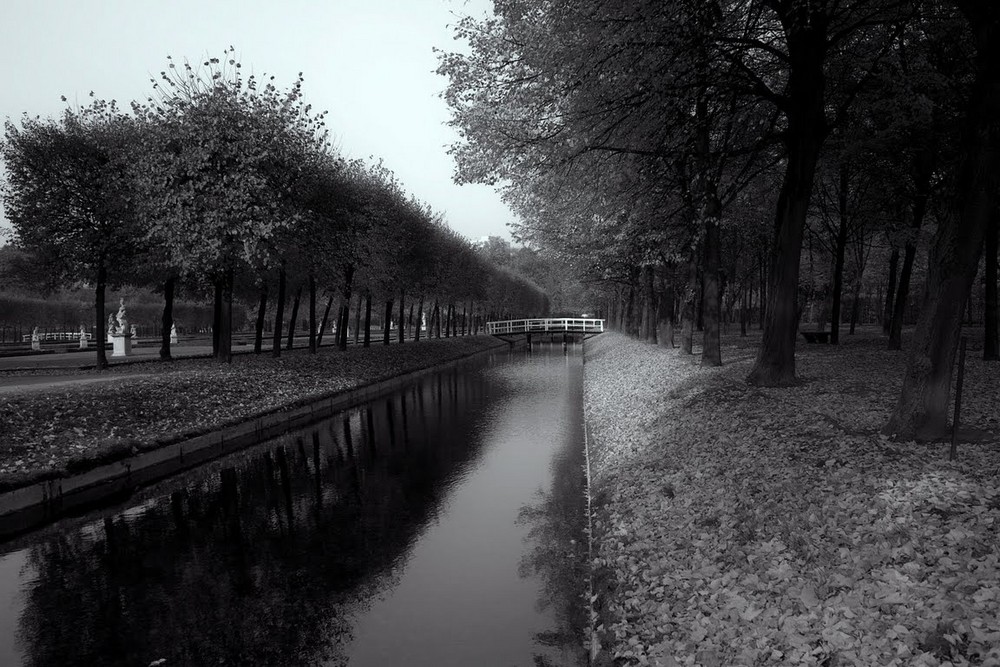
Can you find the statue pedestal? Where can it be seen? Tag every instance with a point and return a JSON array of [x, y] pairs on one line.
[[83, 343], [36, 345], [121, 345]]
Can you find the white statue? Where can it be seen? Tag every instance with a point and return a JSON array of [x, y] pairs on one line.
[[83, 337], [173, 333], [123, 327], [34, 335], [112, 325], [133, 333]]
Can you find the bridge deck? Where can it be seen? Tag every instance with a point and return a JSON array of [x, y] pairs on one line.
[[546, 325]]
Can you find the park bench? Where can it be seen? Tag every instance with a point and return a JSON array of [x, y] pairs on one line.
[[822, 337]]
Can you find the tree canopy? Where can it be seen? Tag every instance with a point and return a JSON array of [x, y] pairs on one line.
[[658, 142]]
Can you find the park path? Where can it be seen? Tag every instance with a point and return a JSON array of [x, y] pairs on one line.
[[25, 384], [18, 374], [78, 360]]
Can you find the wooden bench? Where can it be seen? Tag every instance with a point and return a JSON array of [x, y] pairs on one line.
[[821, 337]]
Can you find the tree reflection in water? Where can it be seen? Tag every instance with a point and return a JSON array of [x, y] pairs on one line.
[[557, 554], [261, 558]]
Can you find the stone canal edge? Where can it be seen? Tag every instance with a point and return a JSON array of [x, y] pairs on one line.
[[40, 503]]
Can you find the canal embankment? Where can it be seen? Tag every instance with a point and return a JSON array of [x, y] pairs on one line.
[[82, 435], [735, 525], [437, 524]]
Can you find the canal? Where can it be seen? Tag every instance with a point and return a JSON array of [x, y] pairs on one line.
[[438, 525]]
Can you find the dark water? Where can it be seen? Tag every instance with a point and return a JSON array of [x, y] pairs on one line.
[[441, 525]]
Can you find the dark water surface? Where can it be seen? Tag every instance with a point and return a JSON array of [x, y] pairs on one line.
[[440, 525]]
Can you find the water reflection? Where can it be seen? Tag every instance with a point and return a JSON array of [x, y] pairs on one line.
[[557, 553], [272, 556]]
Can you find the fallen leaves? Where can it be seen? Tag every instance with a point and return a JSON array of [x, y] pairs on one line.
[[791, 532], [47, 432]]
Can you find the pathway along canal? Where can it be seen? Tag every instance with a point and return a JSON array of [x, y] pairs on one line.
[[440, 525]]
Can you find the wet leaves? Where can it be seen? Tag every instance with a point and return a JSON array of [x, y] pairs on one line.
[[791, 531]]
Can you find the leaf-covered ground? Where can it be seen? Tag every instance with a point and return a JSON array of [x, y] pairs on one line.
[[746, 526], [47, 432]]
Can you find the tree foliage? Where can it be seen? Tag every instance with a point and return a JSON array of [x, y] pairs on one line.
[[672, 149], [229, 184], [68, 196]]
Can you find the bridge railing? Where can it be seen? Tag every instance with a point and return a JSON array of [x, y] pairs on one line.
[[549, 324]]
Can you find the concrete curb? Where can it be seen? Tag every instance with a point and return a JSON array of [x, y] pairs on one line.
[[32, 506]]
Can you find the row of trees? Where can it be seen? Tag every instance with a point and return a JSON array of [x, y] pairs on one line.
[[229, 186], [686, 152]]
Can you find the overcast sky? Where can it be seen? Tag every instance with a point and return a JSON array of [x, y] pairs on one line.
[[369, 62]]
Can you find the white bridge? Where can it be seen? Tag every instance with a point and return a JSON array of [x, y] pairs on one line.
[[556, 325]]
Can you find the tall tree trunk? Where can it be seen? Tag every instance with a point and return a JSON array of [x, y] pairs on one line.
[[922, 410], [890, 292], [688, 313], [855, 305], [387, 321], [279, 312], [923, 170], [343, 322], [902, 298], [436, 319], [357, 319], [102, 325], [708, 213], [630, 326], [258, 331], [225, 350], [293, 321], [312, 314], [420, 320], [839, 250], [744, 310], [344, 315], [991, 342], [665, 311], [711, 353], [401, 323], [651, 297], [804, 136], [326, 320], [409, 320], [699, 309], [368, 319], [762, 299], [645, 311], [216, 315], [167, 319], [623, 300]]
